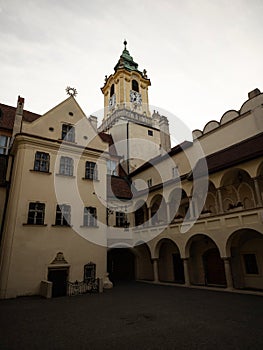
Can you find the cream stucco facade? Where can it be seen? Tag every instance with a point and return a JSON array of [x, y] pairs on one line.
[[72, 194]]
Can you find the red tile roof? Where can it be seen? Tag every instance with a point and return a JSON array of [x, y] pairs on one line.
[[106, 137], [231, 156], [7, 116], [118, 187]]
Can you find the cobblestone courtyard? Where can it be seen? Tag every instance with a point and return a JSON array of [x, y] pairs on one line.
[[134, 316]]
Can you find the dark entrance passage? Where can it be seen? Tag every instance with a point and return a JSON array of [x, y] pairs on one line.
[[178, 269], [59, 278], [214, 268], [121, 264]]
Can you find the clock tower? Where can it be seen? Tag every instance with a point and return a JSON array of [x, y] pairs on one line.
[[127, 115], [126, 88]]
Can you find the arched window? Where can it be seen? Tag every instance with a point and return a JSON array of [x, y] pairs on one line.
[[135, 85], [112, 90]]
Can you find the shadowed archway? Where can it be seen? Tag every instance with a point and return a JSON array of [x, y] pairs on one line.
[[121, 264]]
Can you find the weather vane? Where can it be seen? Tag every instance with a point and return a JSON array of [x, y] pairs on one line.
[[71, 91]]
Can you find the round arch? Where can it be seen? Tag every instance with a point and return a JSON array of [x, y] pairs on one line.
[[237, 190], [140, 213], [121, 264], [235, 177], [260, 169], [245, 249], [144, 266], [178, 204], [170, 263], [158, 210], [206, 267]]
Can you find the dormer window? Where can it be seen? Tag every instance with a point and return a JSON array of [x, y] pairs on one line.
[[135, 85], [112, 90], [112, 168], [68, 133]]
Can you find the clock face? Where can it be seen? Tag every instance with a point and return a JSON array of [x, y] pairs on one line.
[[135, 97]]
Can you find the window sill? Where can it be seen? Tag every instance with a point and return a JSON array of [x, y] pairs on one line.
[[64, 175], [86, 226], [41, 172], [90, 179], [61, 225], [68, 142], [26, 224]]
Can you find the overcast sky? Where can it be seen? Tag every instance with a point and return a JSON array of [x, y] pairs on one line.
[[202, 56]]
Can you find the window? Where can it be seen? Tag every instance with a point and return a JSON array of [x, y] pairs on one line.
[[112, 90], [135, 85], [41, 162], [63, 215], [120, 219], [66, 166], [90, 217], [112, 167], [4, 144], [36, 214], [251, 265], [68, 133], [150, 132], [91, 171], [89, 272], [149, 183]]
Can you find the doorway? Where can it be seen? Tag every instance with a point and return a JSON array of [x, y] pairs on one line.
[[59, 279], [214, 268], [178, 268], [121, 264]]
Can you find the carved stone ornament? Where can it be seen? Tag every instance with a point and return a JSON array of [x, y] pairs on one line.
[[59, 259], [71, 91]]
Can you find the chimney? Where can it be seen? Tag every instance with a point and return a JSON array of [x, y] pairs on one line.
[[165, 134], [253, 93], [94, 122], [17, 128]]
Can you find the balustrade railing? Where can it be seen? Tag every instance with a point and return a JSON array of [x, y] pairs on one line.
[[82, 287]]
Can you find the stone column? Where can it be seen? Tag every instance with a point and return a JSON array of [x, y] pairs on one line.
[[168, 213], [229, 279], [186, 272], [220, 202], [155, 270], [191, 208], [149, 216], [258, 195]]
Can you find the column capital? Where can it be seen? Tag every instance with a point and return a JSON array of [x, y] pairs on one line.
[[226, 258], [155, 259]]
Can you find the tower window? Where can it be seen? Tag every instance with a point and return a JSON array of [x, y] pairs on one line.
[[135, 85], [150, 132], [149, 183], [112, 90]]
